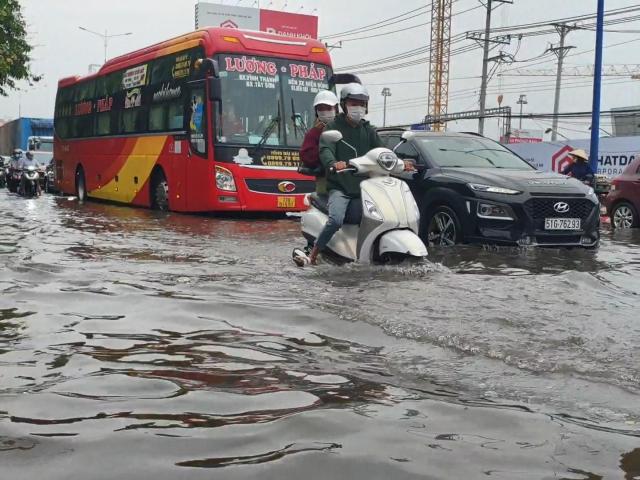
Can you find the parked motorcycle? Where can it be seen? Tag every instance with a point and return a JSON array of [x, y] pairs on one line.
[[388, 229], [29, 182]]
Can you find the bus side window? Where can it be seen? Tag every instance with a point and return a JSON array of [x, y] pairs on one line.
[[197, 121]]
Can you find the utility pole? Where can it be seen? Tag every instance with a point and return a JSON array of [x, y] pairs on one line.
[[485, 61], [386, 92], [561, 52], [522, 101]]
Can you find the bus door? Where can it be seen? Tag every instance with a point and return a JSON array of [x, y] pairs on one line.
[[199, 174]]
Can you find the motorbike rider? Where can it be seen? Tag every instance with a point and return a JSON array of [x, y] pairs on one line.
[[579, 168], [16, 158], [325, 105], [344, 188], [29, 161]]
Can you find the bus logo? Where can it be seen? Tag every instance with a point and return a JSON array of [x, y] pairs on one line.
[[287, 187]]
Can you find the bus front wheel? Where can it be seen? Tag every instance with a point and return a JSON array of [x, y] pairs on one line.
[[81, 185], [160, 192]]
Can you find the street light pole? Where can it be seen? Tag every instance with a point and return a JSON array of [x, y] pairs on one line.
[[105, 37], [597, 83], [522, 101], [386, 92]]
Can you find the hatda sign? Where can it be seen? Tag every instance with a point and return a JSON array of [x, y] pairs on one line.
[[615, 153], [270, 21]]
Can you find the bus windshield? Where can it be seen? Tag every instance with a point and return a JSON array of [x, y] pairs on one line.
[[267, 101]]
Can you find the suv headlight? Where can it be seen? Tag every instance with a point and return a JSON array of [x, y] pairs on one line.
[[224, 180], [491, 211], [388, 160], [476, 187]]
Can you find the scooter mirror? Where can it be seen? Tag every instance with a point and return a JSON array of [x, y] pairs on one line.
[[333, 136], [408, 135]]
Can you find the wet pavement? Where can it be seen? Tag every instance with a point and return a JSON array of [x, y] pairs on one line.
[[142, 345]]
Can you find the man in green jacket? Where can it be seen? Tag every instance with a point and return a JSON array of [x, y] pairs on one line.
[[344, 187]]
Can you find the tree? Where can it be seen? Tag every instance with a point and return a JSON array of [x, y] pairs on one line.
[[14, 48]]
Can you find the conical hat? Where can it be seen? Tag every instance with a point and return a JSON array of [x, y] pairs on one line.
[[580, 154]]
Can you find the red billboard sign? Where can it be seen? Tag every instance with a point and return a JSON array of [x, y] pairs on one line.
[[289, 24]]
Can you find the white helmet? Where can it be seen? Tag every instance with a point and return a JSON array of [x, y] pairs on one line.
[[354, 91], [325, 97]]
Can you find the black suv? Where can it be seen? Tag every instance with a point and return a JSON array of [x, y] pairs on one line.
[[472, 189]]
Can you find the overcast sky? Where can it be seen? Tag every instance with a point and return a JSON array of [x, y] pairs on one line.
[[62, 49]]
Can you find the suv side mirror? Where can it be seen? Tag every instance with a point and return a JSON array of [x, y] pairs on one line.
[[332, 136]]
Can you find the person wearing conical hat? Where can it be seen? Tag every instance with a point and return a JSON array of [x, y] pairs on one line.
[[579, 168]]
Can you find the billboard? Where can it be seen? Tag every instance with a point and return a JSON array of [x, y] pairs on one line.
[[271, 21], [525, 136], [615, 153], [289, 24], [217, 15]]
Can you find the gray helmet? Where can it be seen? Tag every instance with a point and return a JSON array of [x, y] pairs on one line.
[[354, 91], [17, 153]]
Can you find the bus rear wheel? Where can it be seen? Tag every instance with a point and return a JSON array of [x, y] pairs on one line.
[[160, 192], [81, 185]]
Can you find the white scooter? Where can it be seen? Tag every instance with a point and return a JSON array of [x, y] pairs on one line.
[[388, 229]]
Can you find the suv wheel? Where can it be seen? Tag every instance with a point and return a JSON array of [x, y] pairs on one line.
[[442, 227], [624, 216]]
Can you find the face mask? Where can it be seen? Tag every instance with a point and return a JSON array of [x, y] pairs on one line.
[[326, 117], [356, 113]]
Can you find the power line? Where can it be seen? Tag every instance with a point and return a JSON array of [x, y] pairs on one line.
[[373, 26]]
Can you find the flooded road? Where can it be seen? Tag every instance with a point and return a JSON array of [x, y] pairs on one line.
[[139, 345]]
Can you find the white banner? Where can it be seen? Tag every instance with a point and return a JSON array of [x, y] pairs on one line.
[[217, 15], [614, 155]]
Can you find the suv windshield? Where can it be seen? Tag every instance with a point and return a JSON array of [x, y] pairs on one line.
[[469, 152], [267, 101]]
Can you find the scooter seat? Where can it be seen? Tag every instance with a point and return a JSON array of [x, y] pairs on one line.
[[321, 202], [354, 212]]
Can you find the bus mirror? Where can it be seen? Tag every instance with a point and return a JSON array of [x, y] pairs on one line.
[[215, 89], [208, 65]]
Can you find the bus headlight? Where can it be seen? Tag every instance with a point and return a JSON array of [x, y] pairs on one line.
[[224, 180]]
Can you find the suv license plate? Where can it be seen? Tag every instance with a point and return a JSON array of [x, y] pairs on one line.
[[286, 202], [562, 224]]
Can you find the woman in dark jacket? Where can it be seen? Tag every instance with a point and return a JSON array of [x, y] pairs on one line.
[[326, 108]]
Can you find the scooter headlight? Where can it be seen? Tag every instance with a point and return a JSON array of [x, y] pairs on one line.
[[388, 160], [371, 208]]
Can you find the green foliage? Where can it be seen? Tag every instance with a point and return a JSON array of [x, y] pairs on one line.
[[14, 48]]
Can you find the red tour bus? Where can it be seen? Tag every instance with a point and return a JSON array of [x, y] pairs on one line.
[[209, 121]]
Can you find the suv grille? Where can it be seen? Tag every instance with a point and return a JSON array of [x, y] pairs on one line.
[[540, 208]]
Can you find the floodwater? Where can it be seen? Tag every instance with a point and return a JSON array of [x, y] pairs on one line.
[[139, 345]]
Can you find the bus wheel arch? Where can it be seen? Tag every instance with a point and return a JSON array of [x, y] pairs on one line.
[[81, 183], [159, 190]]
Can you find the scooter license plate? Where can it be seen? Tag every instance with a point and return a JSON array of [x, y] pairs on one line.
[[286, 202]]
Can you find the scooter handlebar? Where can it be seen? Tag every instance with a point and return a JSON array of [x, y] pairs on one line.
[[344, 170]]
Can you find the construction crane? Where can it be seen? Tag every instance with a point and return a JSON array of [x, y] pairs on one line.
[[439, 59], [627, 70]]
